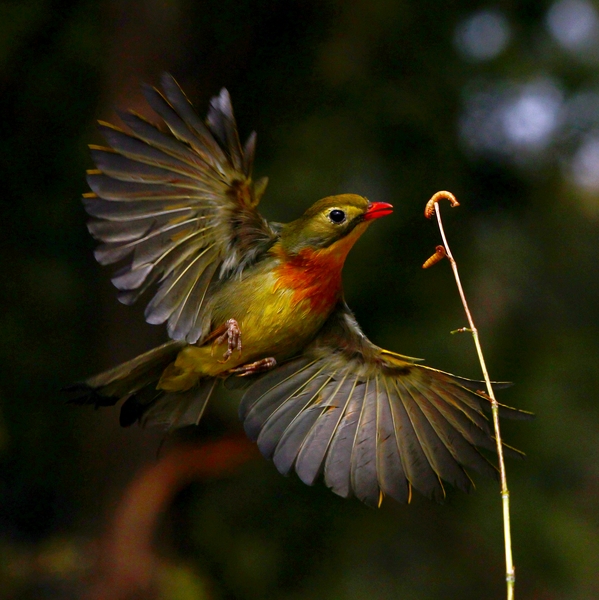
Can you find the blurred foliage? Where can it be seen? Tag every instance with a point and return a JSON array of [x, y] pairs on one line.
[[391, 99]]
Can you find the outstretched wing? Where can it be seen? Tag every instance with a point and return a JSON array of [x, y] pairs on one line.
[[371, 421], [178, 205]]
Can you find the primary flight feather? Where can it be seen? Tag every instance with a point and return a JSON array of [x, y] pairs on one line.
[[244, 298]]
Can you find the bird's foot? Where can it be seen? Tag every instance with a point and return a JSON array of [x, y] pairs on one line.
[[232, 336], [264, 364]]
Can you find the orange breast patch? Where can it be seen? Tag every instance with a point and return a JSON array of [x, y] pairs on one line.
[[315, 275]]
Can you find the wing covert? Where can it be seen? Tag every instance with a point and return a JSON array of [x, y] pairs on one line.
[[179, 205], [371, 422]]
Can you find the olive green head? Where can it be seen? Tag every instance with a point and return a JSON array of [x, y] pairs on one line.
[[329, 220]]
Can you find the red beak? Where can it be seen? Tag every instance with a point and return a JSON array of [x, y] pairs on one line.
[[377, 210]]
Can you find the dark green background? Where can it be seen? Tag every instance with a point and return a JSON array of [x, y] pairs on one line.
[[362, 96]]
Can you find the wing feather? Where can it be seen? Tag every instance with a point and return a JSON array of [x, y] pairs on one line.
[[296, 423], [259, 412], [272, 381], [418, 469], [314, 448], [130, 211], [392, 476], [176, 286], [183, 318], [149, 145], [126, 169], [460, 435], [222, 122], [176, 96], [364, 478], [179, 205], [372, 422], [122, 191], [434, 447], [174, 154], [337, 469]]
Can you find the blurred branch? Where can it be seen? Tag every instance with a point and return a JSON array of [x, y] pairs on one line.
[[127, 565]]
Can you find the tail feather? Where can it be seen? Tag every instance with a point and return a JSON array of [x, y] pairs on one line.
[[134, 382], [173, 409]]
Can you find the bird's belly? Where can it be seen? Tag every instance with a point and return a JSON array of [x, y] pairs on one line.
[[280, 327], [274, 321]]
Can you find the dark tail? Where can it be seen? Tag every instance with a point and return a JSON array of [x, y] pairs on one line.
[[135, 381]]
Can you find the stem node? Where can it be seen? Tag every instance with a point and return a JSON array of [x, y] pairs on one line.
[[461, 330]]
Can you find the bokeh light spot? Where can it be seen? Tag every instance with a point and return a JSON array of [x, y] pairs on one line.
[[531, 117], [585, 164], [573, 23], [483, 35], [512, 119]]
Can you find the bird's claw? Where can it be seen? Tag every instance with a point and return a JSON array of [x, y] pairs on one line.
[[233, 337], [264, 364]]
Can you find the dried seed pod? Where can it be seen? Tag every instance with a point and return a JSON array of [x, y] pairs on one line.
[[429, 209], [436, 257]]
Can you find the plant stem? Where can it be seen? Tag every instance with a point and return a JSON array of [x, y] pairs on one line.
[[510, 576]]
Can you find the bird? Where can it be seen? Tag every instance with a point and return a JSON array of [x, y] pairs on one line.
[[259, 306]]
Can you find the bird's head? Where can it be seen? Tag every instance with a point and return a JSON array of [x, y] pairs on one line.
[[335, 221]]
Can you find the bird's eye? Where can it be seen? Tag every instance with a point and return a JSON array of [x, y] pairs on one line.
[[337, 216]]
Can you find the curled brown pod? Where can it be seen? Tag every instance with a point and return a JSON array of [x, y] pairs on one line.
[[429, 209], [435, 258]]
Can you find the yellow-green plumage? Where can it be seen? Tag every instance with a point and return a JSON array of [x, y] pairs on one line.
[[281, 302]]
